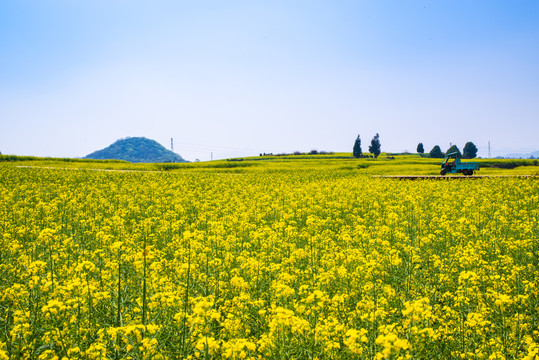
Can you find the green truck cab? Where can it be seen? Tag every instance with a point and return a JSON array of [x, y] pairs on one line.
[[452, 165]]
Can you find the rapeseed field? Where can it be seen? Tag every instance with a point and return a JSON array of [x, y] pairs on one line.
[[266, 263]]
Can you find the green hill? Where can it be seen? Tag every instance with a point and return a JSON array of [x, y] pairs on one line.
[[136, 149]]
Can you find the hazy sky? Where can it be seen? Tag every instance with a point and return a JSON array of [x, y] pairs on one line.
[[239, 78]]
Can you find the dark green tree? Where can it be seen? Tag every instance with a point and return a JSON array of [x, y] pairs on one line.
[[454, 148], [374, 147], [420, 148], [357, 148], [469, 151], [436, 152]]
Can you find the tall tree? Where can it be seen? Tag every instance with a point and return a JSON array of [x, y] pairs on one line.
[[420, 148], [454, 148], [436, 152], [469, 151], [357, 148], [375, 146]]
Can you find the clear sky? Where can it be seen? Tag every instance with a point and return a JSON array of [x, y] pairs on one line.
[[239, 78]]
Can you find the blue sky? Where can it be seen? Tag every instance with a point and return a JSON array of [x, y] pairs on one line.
[[240, 78]]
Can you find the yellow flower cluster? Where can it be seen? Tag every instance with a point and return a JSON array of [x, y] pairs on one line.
[[267, 263]]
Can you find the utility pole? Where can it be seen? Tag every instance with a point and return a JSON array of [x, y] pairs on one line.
[[489, 149], [172, 144], [212, 156]]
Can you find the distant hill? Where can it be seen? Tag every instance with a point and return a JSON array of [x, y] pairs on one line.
[[533, 155], [136, 149]]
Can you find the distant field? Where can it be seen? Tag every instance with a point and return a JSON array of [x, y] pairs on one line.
[[306, 257], [384, 165]]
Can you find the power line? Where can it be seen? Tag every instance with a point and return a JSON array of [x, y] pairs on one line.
[[202, 147], [214, 146]]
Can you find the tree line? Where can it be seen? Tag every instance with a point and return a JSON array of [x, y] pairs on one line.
[[375, 147], [469, 150]]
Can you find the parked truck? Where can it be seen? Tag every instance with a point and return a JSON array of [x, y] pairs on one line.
[[452, 165]]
